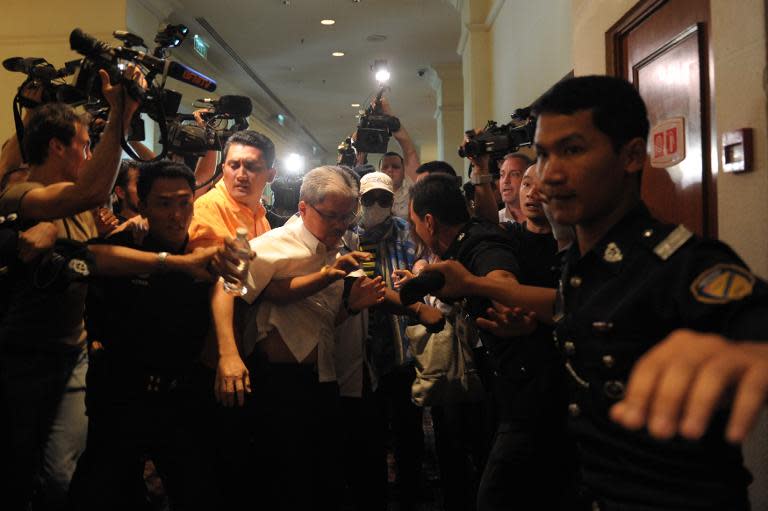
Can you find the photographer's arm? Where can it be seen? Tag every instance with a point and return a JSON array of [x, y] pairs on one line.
[[204, 170], [142, 151], [94, 184], [411, 160]]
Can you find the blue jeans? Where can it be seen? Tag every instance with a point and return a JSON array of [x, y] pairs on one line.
[[44, 426]]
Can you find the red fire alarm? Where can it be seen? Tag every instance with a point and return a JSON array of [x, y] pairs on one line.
[[737, 150]]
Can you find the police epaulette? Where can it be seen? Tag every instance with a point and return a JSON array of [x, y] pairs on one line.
[[672, 242]]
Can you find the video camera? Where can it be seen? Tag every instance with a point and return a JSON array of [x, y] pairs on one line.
[[500, 140], [375, 128], [157, 102], [186, 137]]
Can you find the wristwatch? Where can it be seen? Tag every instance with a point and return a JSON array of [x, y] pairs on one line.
[[480, 179], [161, 261]]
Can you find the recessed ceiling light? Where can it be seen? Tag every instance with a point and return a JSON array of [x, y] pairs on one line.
[[338, 54], [328, 22], [355, 105]]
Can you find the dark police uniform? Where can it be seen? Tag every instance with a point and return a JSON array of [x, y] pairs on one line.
[[141, 397], [529, 463], [640, 282]]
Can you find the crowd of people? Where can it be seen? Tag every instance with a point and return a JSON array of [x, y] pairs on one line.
[[601, 359]]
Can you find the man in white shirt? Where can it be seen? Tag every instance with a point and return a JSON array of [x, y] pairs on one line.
[[288, 342]]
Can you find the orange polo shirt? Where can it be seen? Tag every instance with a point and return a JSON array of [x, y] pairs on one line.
[[218, 215]]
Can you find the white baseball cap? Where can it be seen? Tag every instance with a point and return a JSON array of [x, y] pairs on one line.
[[375, 181]]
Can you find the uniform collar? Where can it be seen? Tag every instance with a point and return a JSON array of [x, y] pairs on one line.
[[453, 248], [152, 244], [614, 248]]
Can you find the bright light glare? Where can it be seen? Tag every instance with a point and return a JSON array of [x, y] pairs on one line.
[[356, 105], [327, 22], [294, 163], [338, 54], [382, 76]]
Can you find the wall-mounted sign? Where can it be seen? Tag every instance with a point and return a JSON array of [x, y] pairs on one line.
[[668, 142], [201, 47]]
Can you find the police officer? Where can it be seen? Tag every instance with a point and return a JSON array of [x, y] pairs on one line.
[[628, 285]]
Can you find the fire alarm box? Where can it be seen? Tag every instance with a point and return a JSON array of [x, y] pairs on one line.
[[737, 150]]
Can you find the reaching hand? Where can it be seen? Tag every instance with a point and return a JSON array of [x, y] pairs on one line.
[[677, 385], [347, 263], [197, 263], [227, 262], [400, 277], [120, 102], [232, 381], [366, 293], [508, 322], [106, 222]]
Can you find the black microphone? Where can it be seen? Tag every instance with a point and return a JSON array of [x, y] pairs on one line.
[[89, 46], [236, 106], [426, 283]]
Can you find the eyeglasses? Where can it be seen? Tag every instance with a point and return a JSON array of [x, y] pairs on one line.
[[347, 219]]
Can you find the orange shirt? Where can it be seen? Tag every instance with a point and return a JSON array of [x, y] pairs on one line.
[[217, 215]]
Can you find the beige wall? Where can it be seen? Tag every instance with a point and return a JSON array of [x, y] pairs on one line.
[[41, 29], [738, 42], [531, 48]]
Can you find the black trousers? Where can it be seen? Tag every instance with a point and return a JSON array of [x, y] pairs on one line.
[[127, 424], [297, 437]]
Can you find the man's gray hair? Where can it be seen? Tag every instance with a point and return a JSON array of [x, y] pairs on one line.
[[325, 180]]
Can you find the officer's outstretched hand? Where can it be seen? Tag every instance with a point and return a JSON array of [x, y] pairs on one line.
[[676, 386], [505, 321]]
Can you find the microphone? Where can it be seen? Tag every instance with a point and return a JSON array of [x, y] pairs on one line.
[[89, 46], [236, 106], [416, 288]]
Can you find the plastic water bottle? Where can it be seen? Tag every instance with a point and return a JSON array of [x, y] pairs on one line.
[[243, 249]]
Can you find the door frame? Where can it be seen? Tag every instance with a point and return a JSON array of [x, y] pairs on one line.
[[616, 65]]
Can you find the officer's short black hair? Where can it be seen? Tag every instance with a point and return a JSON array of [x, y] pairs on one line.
[[392, 153], [253, 139], [617, 108], [49, 121], [436, 166], [150, 172], [440, 195]]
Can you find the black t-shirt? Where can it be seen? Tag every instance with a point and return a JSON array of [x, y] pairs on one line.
[[537, 255], [151, 323]]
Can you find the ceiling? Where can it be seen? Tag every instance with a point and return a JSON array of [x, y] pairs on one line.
[[278, 52]]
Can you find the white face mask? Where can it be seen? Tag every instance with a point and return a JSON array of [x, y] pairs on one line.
[[374, 215]]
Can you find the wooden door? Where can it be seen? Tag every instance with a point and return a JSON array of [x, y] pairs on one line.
[[662, 46]]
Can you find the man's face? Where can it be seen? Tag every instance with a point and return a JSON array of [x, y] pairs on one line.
[[510, 176], [582, 177], [393, 167], [168, 209], [246, 173], [130, 195], [76, 153], [329, 219], [423, 228], [530, 196]]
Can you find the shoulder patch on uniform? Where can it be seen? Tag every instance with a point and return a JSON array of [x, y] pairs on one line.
[[672, 242], [723, 283]]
